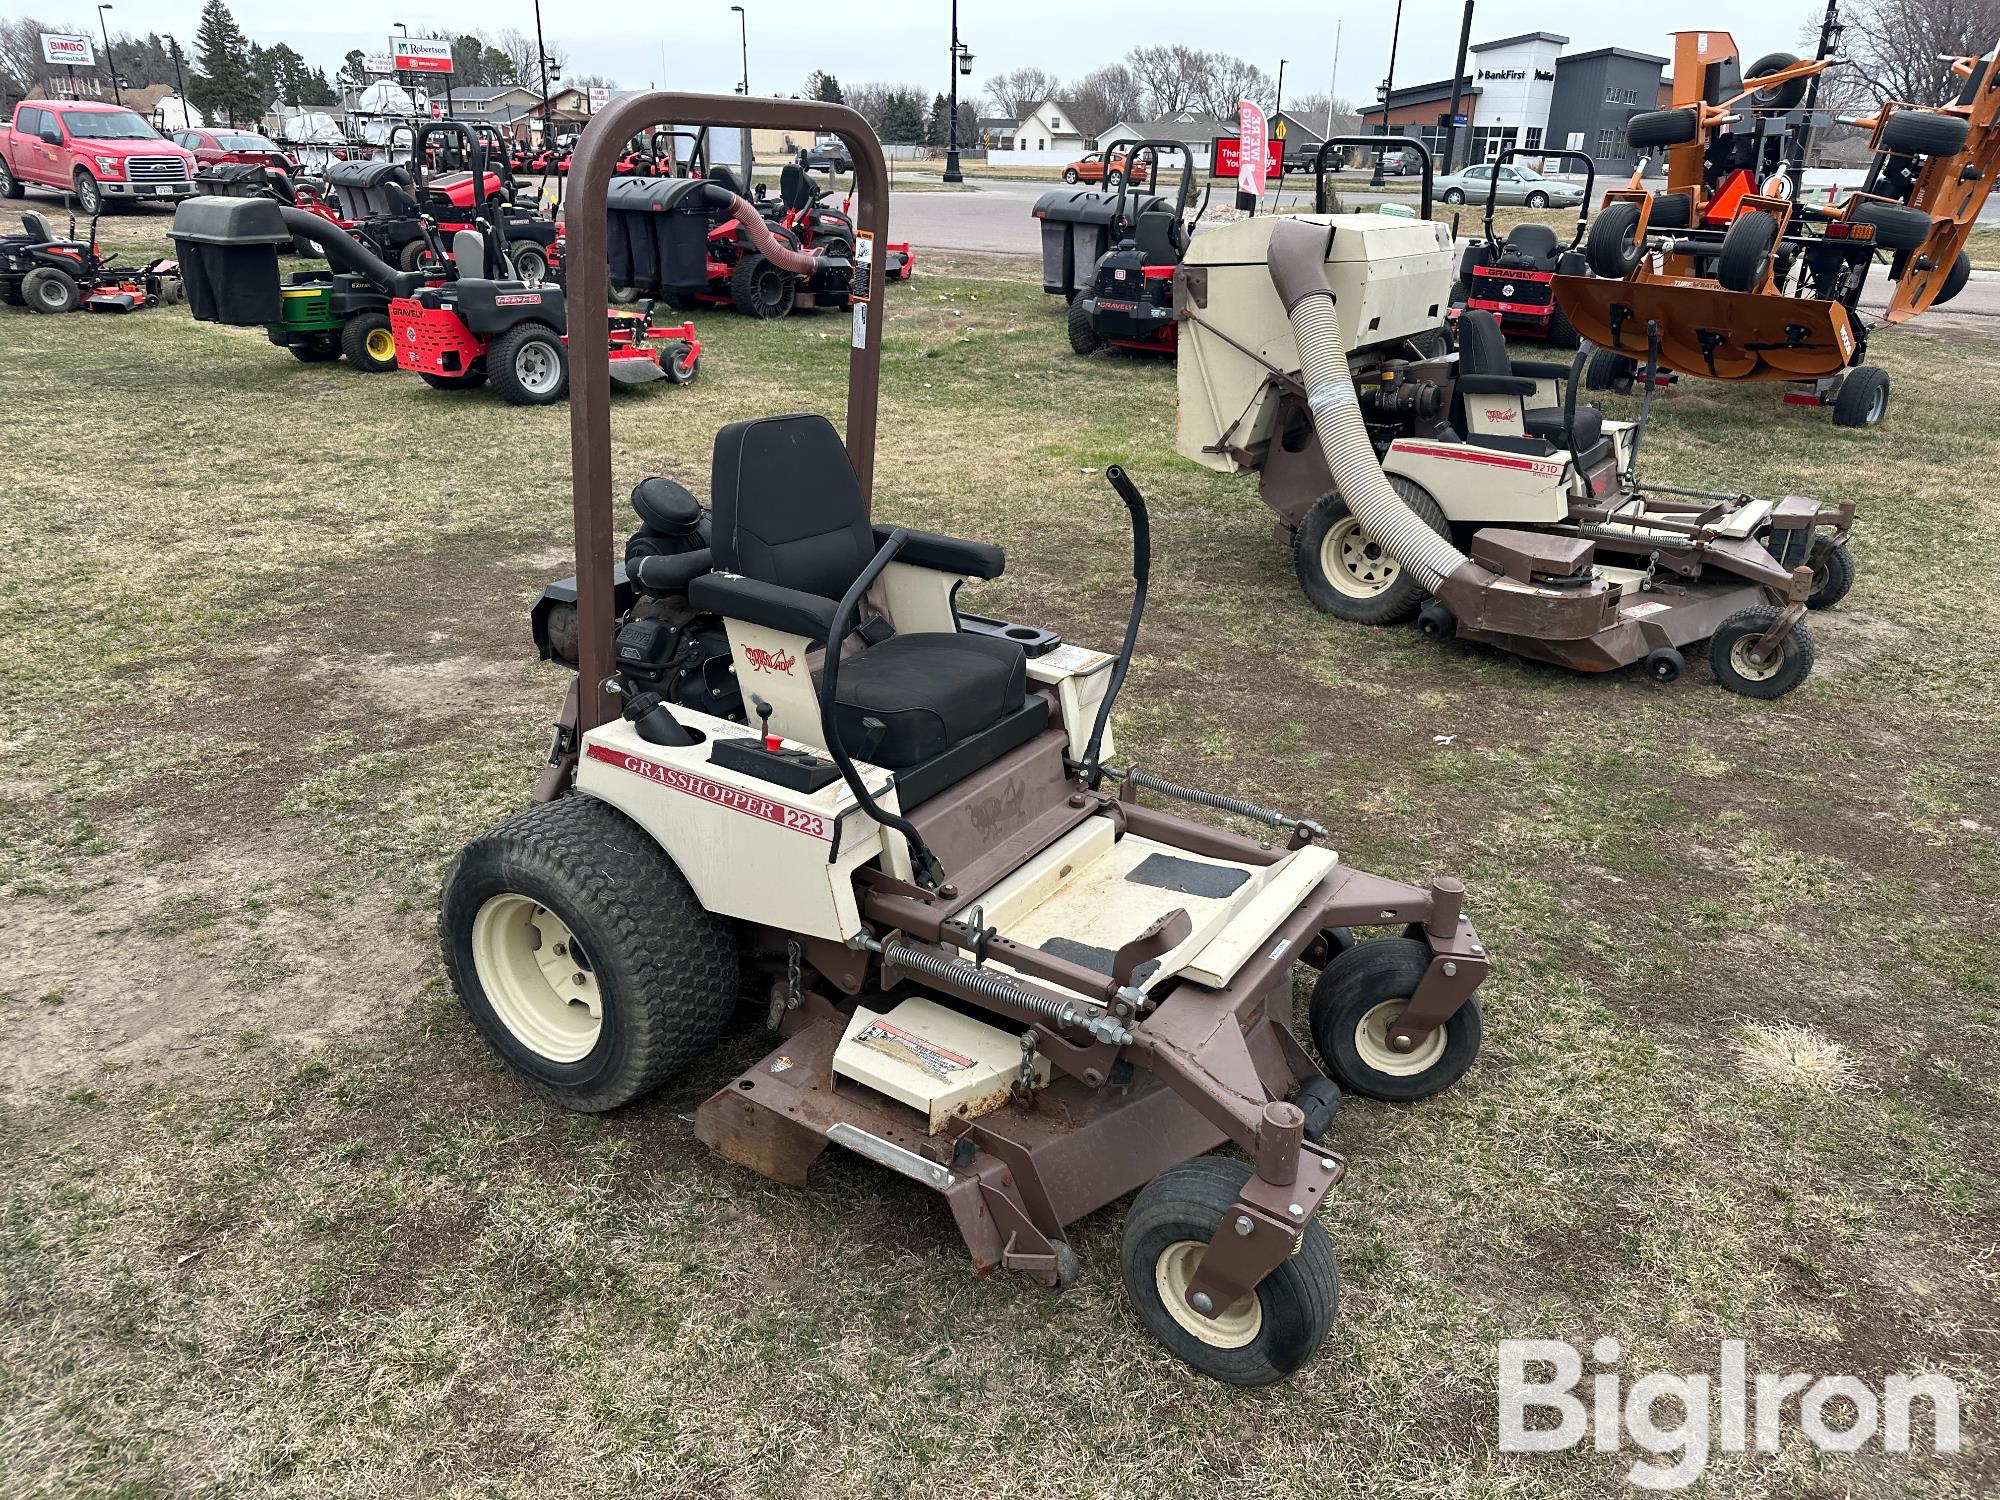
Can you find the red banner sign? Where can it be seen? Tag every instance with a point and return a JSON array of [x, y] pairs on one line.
[[1225, 157], [1254, 159]]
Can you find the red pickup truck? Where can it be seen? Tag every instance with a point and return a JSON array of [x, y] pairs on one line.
[[100, 152]]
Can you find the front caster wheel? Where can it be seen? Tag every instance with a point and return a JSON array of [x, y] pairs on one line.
[[1773, 677], [1665, 664], [1267, 1335], [1358, 998], [1436, 622], [1832, 576]]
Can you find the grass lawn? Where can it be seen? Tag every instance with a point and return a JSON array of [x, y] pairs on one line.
[[275, 1223]]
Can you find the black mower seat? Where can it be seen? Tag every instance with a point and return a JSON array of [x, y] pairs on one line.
[[728, 178], [1482, 351], [1154, 234], [1533, 246], [36, 227], [795, 187], [790, 519], [1586, 433]]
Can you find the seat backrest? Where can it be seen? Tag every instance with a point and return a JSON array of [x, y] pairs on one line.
[[795, 186], [728, 178], [1482, 350], [1533, 241], [36, 227], [1154, 235], [786, 506], [468, 248]]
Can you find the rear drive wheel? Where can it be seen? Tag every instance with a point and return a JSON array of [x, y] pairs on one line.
[[582, 956], [1832, 576], [48, 290], [1082, 330], [1264, 1337], [760, 289], [531, 263], [411, 256], [529, 366], [1613, 248], [315, 348], [1746, 252], [1347, 573], [1355, 1001], [368, 342], [1917, 132], [1775, 676], [1863, 398]]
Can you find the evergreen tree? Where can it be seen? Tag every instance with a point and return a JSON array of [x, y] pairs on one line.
[[353, 70], [824, 87], [902, 119], [224, 84], [937, 124]]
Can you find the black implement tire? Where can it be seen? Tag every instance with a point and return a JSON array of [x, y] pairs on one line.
[[1665, 664], [49, 290], [1345, 572], [1918, 132], [1609, 370], [10, 186], [529, 365], [622, 296], [1359, 995], [1746, 251], [1771, 680], [1611, 247], [1863, 398], [662, 970], [1662, 127], [1832, 576], [1897, 226], [1562, 333], [678, 301], [368, 343], [1083, 337], [1460, 294], [1954, 280], [315, 348], [760, 290], [1671, 211], [1786, 95], [1275, 1329]]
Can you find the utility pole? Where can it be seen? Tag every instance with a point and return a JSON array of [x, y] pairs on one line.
[[1457, 80], [542, 53], [1830, 29], [110, 62], [743, 142], [1388, 89], [1333, 82], [180, 83]]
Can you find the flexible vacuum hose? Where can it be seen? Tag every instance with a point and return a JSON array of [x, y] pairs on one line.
[[1297, 260], [342, 250], [757, 230]]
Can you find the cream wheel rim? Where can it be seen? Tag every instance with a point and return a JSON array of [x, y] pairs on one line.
[[537, 977], [1231, 1328], [1754, 671], [1371, 1041], [1354, 562]]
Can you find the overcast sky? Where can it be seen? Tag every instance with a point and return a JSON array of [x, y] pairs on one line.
[[694, 45]]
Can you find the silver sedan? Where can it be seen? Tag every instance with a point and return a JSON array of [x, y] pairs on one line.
[[1518, 184]]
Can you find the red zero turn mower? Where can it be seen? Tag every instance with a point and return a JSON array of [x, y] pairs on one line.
[[1514, 279], [1129, 303], [699, 242], [987, 971]]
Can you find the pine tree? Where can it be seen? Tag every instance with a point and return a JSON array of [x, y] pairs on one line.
[[224, 83], [824, 87], [937, 123], [903, 119]]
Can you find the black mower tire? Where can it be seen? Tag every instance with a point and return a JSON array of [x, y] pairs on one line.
[[1362, 604], [1610, 247], [530, 262], [1562, 333], [1787, 95], [756, 298], [315, 348], [1795, 655], [471, 380], [1662, 127], [10, 185], [622, 296], [678, 301], [1746, 252], [1461, 293], [665, 968], [1832, 576], [679, 371], [411, 256], [1918, 132], [361, 341], [1296, 1302], [519, 369], [1083, 337], [1665, 664], [1608, 370], [1863, 398], [1671, 211], [1361, 992], [1897, 226], [49, 290], [1954, 279]]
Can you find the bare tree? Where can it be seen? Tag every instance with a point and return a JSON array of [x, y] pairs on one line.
[[527, 67], [1229, 79], [1897, 45], [1014, 94], [1172, 76], [1316, 109], [1100, 99]]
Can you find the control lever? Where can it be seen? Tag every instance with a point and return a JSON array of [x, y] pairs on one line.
[[772, 742]]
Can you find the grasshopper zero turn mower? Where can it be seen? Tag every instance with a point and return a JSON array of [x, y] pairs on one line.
[[1577, 561], [988, 972], [1741, 278]]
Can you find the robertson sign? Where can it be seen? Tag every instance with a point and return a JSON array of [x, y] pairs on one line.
[[66, 51], [420, 54]]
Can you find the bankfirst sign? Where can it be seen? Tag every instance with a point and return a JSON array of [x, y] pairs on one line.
[[420, 54], [66, 51]]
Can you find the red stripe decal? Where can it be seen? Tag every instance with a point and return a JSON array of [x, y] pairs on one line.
[[1470, 456], [733, 798]]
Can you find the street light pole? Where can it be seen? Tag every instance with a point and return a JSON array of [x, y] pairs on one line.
[[110, 62], [1457, 78], [180, 83], [1333, 82], [542, 53], [951, 170], [1388, 88], [743, 142]]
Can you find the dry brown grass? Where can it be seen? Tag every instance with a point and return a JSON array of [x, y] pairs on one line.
[[274, 1223]]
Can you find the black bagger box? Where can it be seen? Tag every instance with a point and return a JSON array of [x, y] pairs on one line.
[[228, 250], [658, 233], [1076, 232]]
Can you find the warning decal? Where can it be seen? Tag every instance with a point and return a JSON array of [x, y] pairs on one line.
[[907, 1046]]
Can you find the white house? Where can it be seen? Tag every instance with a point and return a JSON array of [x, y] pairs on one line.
[[1047, 127]]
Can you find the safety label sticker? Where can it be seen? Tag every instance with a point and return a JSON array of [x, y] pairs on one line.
[[921, 1052], [1078, 659], [1640, 611]]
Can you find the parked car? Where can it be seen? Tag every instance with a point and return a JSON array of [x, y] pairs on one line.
[[1518, 184], [99, 152], [1094, 168], [829, 156], [216, 147], [1396, 162]]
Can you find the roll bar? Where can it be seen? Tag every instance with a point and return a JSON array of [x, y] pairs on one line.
[[1583, 209], [1372, 143], [589, 330], [1125, 177]]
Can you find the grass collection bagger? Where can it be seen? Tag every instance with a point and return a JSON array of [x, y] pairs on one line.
[[1514, 279], [1128, 302], [1573, 560], [45, 274], [1744, 281], [765, 258], [989, 972]]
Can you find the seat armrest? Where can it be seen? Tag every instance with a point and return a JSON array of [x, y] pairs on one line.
[[1496, 385], [670, 573], [768, 604], [1541, 369], [947, 554]]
